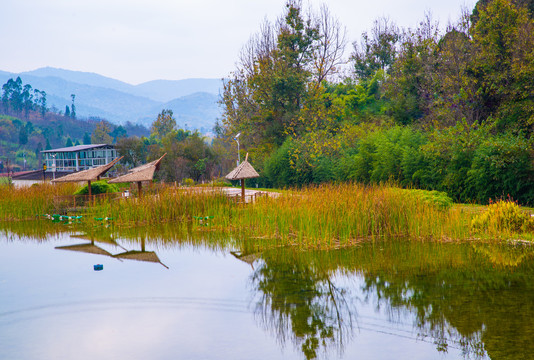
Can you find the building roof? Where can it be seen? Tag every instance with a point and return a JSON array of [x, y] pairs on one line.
[[88, 175], [77, 148], [37, 175], [141, 173], [243, 171]]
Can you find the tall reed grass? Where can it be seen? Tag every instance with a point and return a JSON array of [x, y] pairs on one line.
[[28, 202], [322, 217], [325, 216]]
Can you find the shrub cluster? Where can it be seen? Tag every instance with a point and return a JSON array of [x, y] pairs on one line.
[[469, 163]]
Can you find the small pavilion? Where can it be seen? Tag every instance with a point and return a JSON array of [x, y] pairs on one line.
[[241, 172], [88, 175], [139, 174]]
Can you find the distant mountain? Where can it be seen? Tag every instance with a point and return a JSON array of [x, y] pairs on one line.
[[193, 101], [194, 111], [80, 77], [168, 90]]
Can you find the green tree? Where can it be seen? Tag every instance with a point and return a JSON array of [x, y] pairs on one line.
[[23, 135], [376, 51], [68, 143], [73, 108], [133, 149], [118, 132], [101, 135], [163, 125], [410, 85], [279, 76], [86, 139], [503, 65]]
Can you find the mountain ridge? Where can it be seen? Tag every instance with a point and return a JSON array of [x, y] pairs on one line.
[[98, 96]]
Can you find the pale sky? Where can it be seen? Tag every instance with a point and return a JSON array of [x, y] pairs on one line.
[[141, 40]]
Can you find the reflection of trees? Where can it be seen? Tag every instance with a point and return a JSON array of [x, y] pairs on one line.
[[478, 298], [296, 301], [482, 306]]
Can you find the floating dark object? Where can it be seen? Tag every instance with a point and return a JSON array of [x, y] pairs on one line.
[[99, 267]]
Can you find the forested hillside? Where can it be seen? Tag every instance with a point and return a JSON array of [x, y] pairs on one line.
[[119, 102], [27, 126], [451, 110]]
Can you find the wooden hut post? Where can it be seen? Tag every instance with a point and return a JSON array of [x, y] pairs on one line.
[[243, 190], [89, 188], [139, 189]]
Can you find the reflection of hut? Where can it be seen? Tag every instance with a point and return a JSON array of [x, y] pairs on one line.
[[249, 258], [139, 174], [89, 248], [101, 239], [88, 175], [241, 172], [143, 255]]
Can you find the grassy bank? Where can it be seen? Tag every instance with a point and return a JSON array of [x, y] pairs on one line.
[[322, 217], [326, 216], [28, 202]]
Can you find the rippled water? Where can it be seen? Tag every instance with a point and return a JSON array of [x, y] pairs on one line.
[[402, 300]]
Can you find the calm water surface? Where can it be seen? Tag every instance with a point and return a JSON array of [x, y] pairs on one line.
[[159, 298]]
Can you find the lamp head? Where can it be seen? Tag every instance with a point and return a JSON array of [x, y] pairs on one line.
[[235, 137]]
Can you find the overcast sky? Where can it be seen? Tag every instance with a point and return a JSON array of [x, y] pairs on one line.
[[141, 40]]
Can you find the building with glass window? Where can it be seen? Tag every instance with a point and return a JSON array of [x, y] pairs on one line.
[[77, 158]]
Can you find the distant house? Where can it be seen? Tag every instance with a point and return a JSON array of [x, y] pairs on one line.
[[77, 158]]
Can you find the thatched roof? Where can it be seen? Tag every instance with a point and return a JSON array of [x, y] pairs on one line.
[[243, 171], [141, 173], [89, 174], [86, 248]]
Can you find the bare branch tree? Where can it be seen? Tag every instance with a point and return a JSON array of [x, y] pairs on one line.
[[331, 47]]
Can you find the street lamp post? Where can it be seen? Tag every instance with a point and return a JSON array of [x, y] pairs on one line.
[[54, 166], [238, 155]]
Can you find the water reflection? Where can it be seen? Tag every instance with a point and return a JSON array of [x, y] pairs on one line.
[[299, 302], [142, 255], [476, 298], [473, 299]]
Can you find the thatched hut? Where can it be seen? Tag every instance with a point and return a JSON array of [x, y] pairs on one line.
[[241, 172], [139, 174], [88, 175]]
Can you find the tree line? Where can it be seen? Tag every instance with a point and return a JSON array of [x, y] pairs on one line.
[[450, 110]]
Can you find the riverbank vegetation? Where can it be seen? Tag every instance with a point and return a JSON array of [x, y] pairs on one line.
[[444, 107], [322, 217], [434, 107], [447, 109]]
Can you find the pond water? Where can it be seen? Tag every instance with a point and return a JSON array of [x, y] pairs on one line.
[[158, 297]]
